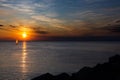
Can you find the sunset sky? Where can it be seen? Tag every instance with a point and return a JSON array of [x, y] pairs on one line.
[[42, 19]]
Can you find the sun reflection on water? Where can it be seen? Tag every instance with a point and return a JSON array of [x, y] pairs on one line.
[[24, 57]]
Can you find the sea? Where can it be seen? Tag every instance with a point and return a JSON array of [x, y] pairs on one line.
[[31, 59]]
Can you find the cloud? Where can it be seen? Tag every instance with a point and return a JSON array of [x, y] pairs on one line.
[[28, 6], [9, 28], [93, 1], [3, 0], [87, 15], [39, 30], [117, 21], [1, 25], [116, 28], [109, 29], [3, 28], [6, 12], [112, 28], [40, 10], [12, 26], [19, 7], [53, 22], [112, 9], [46, 19]]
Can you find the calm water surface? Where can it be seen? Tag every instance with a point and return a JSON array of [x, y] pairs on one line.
[[30, 59]]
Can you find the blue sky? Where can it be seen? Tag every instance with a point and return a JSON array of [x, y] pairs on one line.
[[61, 17]]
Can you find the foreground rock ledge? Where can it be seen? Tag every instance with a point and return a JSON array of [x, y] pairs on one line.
[[106, 71]]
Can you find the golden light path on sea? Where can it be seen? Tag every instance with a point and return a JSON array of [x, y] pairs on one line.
[[24, 57]]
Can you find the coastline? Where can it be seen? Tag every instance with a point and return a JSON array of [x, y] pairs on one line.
[[107, 71]]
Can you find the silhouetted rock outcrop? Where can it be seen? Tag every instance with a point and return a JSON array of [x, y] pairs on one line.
[[63, 76], [107, 71], [46, 76], [115, 59]]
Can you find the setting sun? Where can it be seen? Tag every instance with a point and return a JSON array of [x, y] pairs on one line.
[[24, 35]]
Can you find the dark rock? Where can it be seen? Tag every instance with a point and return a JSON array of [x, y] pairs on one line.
[[63, 76], [81, 74], [46, 76], [114, 59], [106, 71]]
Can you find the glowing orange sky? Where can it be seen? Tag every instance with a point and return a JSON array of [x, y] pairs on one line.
[[40, 19]]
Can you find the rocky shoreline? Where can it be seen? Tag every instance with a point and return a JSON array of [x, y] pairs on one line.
[[107, 71]]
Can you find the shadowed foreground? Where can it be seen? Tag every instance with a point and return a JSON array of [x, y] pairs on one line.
[[106, 71]]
